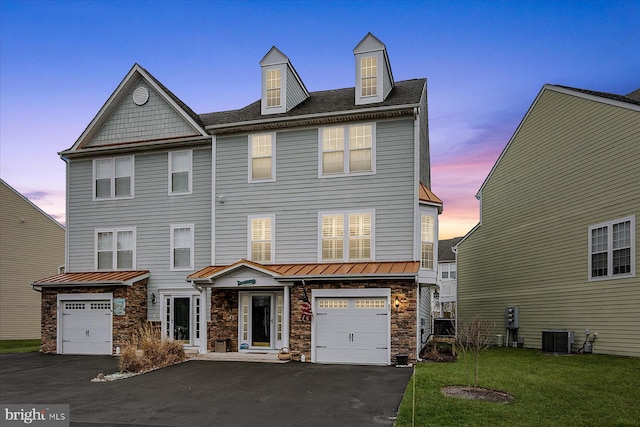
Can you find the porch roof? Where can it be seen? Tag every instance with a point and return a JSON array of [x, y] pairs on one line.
[[122, 278], [347, 270]]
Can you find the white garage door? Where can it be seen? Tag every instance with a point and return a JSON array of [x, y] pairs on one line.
[[352, 330], [86, 327]]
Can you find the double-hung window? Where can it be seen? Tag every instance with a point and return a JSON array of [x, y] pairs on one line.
[[427, 236], [182, 239], [262, 157], [115, 249], [612, 249], [274, 87], [180, 172], [369, 73], [346, 150], [261, 238], [346, 236], [113, 178], [448, 271]]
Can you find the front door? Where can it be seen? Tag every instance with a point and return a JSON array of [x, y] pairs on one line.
[[261, 324], [181, 318], [261, 321]]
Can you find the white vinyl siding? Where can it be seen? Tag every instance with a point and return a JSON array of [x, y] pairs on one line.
[[612, 249], [358, 246], [182, 251], [427, 236], [347, 150], [261, 238], [115, 249], [262, 163], [113, 178], [180, 172]]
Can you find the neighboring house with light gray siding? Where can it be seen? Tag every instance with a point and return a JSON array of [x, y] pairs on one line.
[[559, 230], [294, 222]]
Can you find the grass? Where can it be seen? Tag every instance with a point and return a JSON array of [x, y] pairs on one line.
[[549, 390], [19, 346]]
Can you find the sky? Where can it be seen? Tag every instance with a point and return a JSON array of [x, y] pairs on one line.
[[485, 62]]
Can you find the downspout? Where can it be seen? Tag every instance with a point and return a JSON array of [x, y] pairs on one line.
[[66, 216]]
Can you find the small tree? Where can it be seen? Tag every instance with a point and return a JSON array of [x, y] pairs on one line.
[[474, 335]]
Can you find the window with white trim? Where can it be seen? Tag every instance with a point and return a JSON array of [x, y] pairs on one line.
[[261, 157], [427, 236], [182, 247], [448, 270], [180, 171], [261, 238], [274, 88], [115, 249], [357, 226], [113, 178], [347, 150], [612, 248], [369, 75]]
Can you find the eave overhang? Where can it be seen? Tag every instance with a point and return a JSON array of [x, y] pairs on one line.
[[91, 279], [274, 123]]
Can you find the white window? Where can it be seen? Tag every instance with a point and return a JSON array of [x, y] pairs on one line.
[[612, 248], [182, 247], [427, 235], [180, 172], [369, 76], [448, 270], [261, 238], [113, 178], [274, 88], [262, 157], [358, 246], [115, 249], [347, 150]]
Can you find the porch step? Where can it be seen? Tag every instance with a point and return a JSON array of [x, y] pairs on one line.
[[239, 357]]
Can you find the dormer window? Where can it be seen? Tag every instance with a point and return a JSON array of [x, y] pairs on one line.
[[274, 88], [374, 80], [282, 88], [369, 71]]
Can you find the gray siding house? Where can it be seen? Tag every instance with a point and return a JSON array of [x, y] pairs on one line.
[[303, 220]]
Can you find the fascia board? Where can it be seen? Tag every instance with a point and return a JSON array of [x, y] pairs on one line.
[[313, 116]]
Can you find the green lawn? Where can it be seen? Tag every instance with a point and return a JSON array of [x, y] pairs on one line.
[[19, 346], [548, 390]]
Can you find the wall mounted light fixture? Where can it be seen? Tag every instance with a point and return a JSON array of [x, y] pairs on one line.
[[396, 303], [153, 299]]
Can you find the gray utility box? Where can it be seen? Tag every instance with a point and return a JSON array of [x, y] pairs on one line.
[[511, 317]]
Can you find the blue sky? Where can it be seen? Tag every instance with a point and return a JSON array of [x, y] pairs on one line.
[[485, 62]]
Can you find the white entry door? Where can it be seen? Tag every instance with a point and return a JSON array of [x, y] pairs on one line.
[[182, 318], [261, 325], [86, 327], [352, 330]]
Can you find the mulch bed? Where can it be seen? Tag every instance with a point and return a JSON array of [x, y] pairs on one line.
[[477, 393]]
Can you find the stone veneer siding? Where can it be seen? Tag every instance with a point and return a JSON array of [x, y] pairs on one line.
[[123, 326], [224, 315]]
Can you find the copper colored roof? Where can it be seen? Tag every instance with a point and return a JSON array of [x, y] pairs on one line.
[[92, 278], [427, 195], [315, 270]]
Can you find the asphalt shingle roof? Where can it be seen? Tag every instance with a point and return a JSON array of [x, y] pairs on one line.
[[612, 96], [406, 92]]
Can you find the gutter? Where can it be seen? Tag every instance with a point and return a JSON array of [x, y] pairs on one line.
[[314, 116]]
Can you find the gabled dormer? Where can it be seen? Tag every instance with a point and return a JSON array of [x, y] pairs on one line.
[[374, 79], [282, 88]]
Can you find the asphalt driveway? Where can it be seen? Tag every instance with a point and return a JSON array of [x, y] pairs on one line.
[[207, 393]]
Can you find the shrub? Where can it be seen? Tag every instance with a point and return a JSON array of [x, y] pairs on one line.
[[148, 349]]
